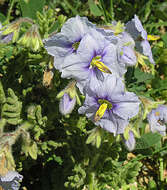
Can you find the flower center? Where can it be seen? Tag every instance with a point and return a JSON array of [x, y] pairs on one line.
[[75, 45], [157, 113], [96, 62], [104, 104]]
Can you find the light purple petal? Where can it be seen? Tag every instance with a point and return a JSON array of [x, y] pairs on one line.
[[60, 45], [127, 105], [136, 30], [110, 59], [76, 27], [11, 180], [127, 56]]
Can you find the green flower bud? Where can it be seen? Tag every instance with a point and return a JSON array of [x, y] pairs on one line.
[[71, 91], [32, 39]]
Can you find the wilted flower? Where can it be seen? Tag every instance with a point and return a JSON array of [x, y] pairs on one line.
[[68, 40], [135, 28], [157, 119], [67, 104], [95, 56], [11, 180], [108, 105]]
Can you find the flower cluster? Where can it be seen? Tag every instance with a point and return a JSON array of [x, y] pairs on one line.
[[97, 58], [10, 181]]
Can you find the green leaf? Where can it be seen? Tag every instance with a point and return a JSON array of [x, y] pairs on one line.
[[2, 17], [11, 110], [95, 10], [33, 151], [141, 76], [148, 140], [30, 8], [161, 11], [2, 94], [164, 38]]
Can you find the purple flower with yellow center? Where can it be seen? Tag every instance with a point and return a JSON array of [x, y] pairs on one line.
[[136, 30], [67, 41], [11, 180], [157, 119], [95, 56], [108, 105], [67, 104]]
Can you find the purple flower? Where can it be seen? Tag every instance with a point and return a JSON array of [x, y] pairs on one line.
[[95, 56], [11, 180], [67, 41], [67, 104], [130, 142], [157, 119], [126, 53], [108, 105], [135, 28]]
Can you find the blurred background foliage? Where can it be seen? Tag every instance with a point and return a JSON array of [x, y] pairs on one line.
[[55, 156]]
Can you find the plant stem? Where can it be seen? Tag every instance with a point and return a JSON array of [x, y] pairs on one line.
[[111, 9], [10, 10], [161, 168], [91, 181], [74, 11]]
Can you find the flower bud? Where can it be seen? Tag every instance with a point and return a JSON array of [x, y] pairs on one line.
[[130, 142], [71, 91], [67, 104], [31, 39]]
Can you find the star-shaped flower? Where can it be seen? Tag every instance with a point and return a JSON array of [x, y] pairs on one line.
[[108, 104]]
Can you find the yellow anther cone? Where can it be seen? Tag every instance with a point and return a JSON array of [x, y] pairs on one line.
[[152, 37], [100, 112], [102, 67]]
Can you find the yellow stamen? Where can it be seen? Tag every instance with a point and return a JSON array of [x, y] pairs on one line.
[[100, 65], [152, 37], [100, 112], [157, 113]]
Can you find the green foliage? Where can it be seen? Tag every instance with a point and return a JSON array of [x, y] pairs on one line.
[[11, 109], [30, 7], [148, 140], [69, 152], [95, 10], [120, 175], [76, 181]]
